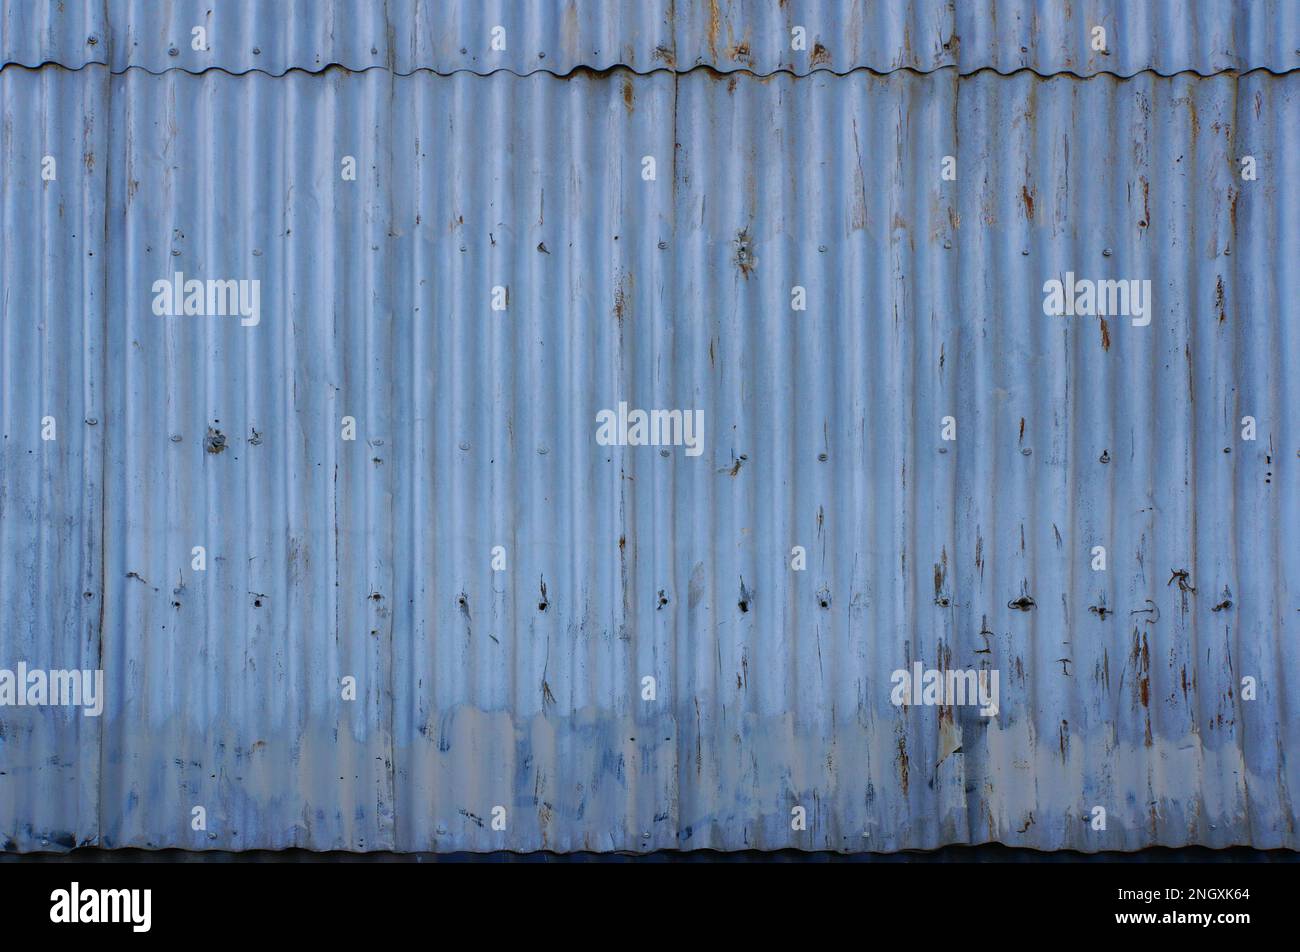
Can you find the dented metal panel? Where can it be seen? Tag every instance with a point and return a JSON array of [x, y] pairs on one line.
[[558, 36]]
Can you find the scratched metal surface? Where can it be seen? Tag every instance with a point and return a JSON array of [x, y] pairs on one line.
[[522, 688], [1046, 36]]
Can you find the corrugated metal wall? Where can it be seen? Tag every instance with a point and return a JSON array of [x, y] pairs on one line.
[[522, 688], [558, 36]]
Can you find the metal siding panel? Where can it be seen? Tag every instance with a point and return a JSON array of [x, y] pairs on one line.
[[1047, 37], [226, 177], [521, 688], [69, 34], [53, 282], [558, 36]]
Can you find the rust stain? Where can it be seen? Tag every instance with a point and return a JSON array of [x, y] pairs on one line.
[[940, 577], [1218, 299], [1142, 661], [1105, 335], [820, 55], [628, 96], [622, 289], [715, 24], [1027, 199]]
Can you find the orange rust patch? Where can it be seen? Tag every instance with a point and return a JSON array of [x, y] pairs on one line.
[[1027, 198], [621, 306], [715, 24]]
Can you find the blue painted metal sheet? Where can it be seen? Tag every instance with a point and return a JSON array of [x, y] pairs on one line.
[[558, 36], [53, 299], [523, 688], [1045, 36]]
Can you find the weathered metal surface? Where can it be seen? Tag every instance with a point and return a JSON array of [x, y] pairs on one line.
[[52, 323], [522, 688], [1167, 36]]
